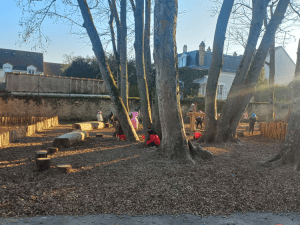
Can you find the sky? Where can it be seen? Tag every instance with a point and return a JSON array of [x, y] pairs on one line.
[[195, 24]]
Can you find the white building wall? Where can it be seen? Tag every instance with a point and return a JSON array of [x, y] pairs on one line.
[[284, 67]]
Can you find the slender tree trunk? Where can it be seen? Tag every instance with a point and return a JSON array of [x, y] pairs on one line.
[[140, 64], [174, 144], [248, 88], [290, 153], [258, 12], [119, 30], [214, 72], [123, 55], [271, 64], [106, 73]]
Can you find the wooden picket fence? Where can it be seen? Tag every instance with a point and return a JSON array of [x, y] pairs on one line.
[[23, 120], [27, 130], [274, 130]]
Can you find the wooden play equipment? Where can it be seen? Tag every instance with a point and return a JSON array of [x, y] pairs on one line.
[[88, 125], [273, 130], [193, 116]]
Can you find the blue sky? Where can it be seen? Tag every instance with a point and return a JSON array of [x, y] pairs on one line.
[[194, 25]]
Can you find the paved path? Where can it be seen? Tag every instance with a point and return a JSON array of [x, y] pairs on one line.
[[236, 218]]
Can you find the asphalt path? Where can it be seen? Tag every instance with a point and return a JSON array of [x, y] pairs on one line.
[[250, 218]]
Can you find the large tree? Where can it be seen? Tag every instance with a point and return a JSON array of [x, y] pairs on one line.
[[138, 9], [174, 144], [113, 90], [214, 71], [290, 152]]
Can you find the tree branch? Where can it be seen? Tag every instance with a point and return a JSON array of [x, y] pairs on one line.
[[132, 5], [291, 5]]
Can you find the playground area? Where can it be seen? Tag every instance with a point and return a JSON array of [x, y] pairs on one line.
[[119, 177]]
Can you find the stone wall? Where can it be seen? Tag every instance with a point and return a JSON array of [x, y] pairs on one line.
[[66, 108], [85, 108], [18, 82]]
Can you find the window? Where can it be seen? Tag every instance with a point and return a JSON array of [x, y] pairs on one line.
[[31, 69], [7, 67]]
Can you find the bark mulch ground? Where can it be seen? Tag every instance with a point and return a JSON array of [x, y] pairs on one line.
[[118, 177]]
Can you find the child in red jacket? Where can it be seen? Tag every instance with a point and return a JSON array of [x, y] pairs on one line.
[[153, 140]]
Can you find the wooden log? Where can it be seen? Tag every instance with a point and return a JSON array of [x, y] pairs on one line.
[[66, 140], [41, 154], [240, 134], [89, 125], [43, 163], [99, 135], [52, 150], [64, 168]]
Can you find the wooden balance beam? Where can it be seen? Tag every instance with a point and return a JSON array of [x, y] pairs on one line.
[[92, 125]]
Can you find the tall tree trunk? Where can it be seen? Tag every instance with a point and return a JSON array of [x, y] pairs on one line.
[[119, 30], [174, 144], [258, 12], [248, 88], [140, 64], [106, 73], [290, 153], [271, 64], [123, 55], [113, 40], [214, 72]]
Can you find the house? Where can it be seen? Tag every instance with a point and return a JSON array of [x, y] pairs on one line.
[[26, 62], [202, 59], [284, 67], [20, 62]]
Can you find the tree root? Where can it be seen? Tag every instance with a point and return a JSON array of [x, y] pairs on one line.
[[197, 151], [283, 158]]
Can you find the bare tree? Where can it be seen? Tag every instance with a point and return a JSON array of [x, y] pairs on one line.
[[106, 73], [138, 9], [214, 72], [174, 144]]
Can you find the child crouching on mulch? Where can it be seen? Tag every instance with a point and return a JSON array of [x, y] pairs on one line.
[[153, 140]]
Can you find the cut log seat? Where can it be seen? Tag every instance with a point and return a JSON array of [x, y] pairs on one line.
[[64, 168], [41, 154], [52, 150], [66, 140], [43, 163], [92, 125]]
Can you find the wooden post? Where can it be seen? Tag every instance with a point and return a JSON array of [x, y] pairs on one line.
[[43, 163]]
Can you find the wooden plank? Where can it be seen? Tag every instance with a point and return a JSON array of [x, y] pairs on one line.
[[91, 125]]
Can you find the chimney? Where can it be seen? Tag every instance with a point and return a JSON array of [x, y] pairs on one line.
[[234, 54], [201, 53], [208, 49], [184, 48]]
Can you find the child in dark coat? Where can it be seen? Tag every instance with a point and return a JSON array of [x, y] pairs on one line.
[[252, 121]]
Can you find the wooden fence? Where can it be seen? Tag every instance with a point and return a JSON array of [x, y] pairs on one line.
[[27, 130], [273, 130], [24, 120]]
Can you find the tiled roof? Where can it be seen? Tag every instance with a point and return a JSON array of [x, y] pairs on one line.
[[230, 63], [20, 60]]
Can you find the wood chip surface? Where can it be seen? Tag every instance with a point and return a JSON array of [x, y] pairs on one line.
[[119, 177]]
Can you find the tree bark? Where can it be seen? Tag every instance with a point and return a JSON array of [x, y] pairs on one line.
[[113, 40], [271, 64], [214, 72], [156, 118], [120, 108], [140, 64], [119, 30], [258, 12], [248, 88], [123, 55], [290, 153], [174, 144]]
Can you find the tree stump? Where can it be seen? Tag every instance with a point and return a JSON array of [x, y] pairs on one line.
[[107, 125], [99, 135], [43, 163], [52, 150], [64, 168], [41, 154]]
